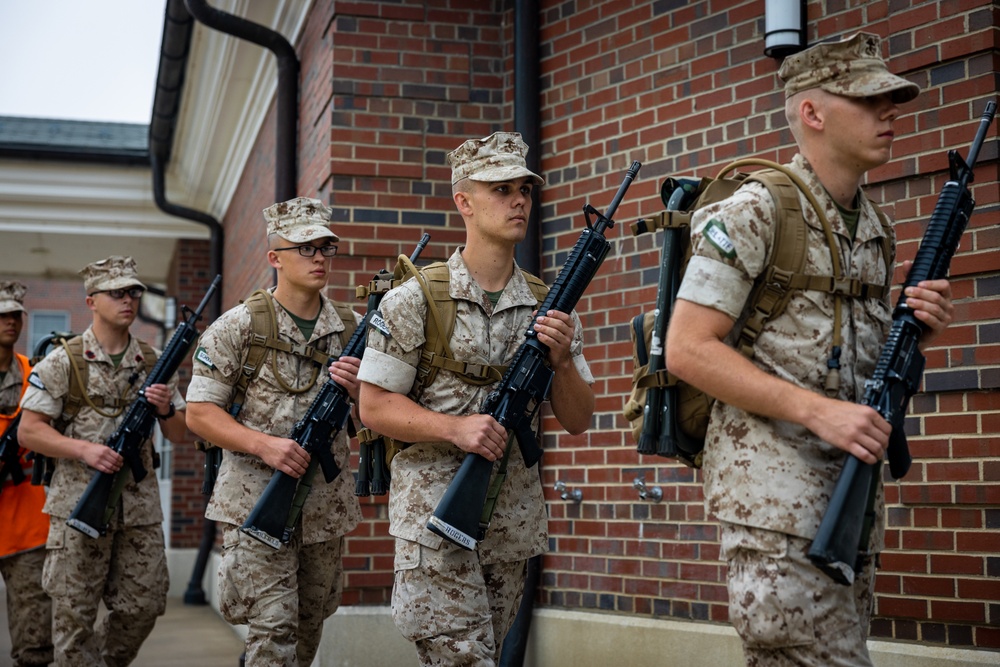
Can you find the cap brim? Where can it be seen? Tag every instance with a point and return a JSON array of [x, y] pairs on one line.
[[307, 233], [497, 174], [877, 83], [116, 283], [11, 306]]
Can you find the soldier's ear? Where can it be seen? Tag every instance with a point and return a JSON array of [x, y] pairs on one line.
[[462, 202], [273, 259]]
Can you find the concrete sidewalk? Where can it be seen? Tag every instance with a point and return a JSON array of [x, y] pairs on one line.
[[186, 636]]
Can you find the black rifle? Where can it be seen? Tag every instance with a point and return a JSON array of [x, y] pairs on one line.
[[272, 519], [373, 471], [10, 455], [97, 504], [841, 543], [659, 433], [519, 395]]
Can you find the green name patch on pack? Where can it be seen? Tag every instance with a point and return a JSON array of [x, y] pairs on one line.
[[716, 234]]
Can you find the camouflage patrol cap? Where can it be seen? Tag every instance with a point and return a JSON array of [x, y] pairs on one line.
[[498, 157], [299, 220], [12, 296], [115, 272], [852, 67]]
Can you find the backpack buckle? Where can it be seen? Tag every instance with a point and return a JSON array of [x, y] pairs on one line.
[[477, 370], [847, 286], [780, 278], [300, 350]]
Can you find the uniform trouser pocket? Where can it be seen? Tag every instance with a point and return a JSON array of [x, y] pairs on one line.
[[237, 594], [769, 595], [412, 603]]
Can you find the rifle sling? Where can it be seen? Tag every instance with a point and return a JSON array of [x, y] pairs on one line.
[[494, 493]]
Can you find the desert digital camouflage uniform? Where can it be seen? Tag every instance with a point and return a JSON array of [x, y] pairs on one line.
[[126, 568], [770, 481], [441, 590], [283, 594]]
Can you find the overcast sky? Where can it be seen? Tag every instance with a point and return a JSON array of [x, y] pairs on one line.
[[80, 59]]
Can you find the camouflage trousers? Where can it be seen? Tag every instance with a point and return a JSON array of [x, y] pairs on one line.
[[456, 610], [282, 595], [787, 611], [29, 609], [127, 569]]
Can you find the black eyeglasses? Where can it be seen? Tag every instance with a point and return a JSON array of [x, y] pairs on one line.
[[134, 292], [310, 250]]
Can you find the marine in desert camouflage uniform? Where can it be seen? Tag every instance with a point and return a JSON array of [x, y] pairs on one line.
[[777, 440], [457, 605], [25, 526], [284, 594], [125, 568]]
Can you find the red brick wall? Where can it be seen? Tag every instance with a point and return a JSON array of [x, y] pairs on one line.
[[682, 86], [188, 282]]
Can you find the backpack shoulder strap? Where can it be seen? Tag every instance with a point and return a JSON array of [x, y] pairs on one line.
[[263, 326], [149, 356], [883, 221], [77, 381], [773, 288], [346, 314], [538, 288]]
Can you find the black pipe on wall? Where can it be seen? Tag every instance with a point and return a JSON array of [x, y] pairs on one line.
[[527, 121], [174, 49]]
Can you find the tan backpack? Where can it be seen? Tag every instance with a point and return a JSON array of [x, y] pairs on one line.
[[772, 290]]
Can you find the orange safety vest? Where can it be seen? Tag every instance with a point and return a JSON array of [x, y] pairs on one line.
[[25, 526]]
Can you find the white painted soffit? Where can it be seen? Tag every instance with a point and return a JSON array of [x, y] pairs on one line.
[[228, 87], [55, 217]]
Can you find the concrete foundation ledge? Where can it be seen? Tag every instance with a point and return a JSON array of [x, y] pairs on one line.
[[597, 640], [362, 636]]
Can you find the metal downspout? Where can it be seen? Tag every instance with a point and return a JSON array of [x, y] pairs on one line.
[[174, 49], [287, 101], [527, 121]]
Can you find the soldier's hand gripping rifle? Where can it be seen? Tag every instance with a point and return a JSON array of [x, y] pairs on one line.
[[841, 543], [272, 519], [97, 504], [518, 396]]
